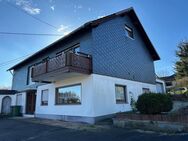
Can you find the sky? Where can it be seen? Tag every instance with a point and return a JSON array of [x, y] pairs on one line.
[[165, 22]]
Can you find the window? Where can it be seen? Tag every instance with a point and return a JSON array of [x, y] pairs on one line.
[[77, 49], [29, 78], [19, 99], [129, 32], [168, 83], [46, 59], [120, 92], [146, 90], [68, 95], [44, 97]]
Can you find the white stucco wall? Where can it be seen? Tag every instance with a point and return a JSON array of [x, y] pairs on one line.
[[104, 94], [98, 96], [12, 100], [84, 109]]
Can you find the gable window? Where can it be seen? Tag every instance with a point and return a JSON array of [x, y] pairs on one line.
[[29, 76], [44, 97], [145, 90], [129, 32], [68, 95], [120, 92]]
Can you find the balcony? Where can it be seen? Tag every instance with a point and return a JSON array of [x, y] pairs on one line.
[[63, 66]]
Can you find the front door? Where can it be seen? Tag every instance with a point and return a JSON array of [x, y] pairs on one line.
[[30, 102]]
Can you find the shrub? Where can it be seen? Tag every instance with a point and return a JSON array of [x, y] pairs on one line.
[[153, 103]]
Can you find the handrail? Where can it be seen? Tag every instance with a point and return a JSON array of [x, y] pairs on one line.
[[71, 59]]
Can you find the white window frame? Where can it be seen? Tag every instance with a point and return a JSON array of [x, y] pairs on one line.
[[42, 100], [125, 101], [129, 29]]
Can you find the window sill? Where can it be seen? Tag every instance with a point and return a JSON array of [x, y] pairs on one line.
[[122, 103], [44, 105], [68, 104]]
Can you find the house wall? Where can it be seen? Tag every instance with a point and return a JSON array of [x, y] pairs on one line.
[[115, 54], [85, 109], [98, 98], [12, 100], [19, 82], [104, 94]]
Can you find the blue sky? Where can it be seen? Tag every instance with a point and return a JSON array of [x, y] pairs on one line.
[[165, 22]]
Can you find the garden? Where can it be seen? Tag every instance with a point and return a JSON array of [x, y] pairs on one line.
[[156, 112]]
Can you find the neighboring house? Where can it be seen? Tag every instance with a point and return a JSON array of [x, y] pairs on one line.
[[89, 74], [170, 82], [7, 99], [160, 86]]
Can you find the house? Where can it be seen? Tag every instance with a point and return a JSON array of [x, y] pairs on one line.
[[7, 99], [160, 86], [89, 74], [170, 82]]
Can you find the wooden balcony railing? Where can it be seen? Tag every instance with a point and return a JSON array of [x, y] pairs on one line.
[[71, 61]]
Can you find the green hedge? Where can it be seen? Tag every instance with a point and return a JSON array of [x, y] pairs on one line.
[[153, 103]]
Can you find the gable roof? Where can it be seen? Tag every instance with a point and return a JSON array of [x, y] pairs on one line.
[[91, 24]]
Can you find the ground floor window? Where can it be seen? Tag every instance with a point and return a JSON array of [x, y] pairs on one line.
[[44, 97], [68, 95], [19, 99], [120, 92], [145, 90]]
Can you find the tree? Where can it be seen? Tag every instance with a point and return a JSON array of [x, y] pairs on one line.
[[181, 65]]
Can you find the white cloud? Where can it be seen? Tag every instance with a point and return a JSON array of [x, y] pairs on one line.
[[100, 16], [64, 29], [52, 7], [28, 6]]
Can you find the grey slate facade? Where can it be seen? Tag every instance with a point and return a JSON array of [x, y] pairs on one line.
[[113, 53]]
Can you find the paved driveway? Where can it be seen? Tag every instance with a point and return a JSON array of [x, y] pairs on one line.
[[20, 130]]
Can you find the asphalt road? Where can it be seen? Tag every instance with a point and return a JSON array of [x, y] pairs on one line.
[[18, 130]]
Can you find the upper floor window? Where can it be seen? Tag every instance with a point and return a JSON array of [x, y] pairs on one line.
[[29, 76], [77, 49], [68, 95], [145, 90], [129, 32], [120, 92]]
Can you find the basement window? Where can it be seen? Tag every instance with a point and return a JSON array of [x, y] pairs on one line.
[[129, 32]]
